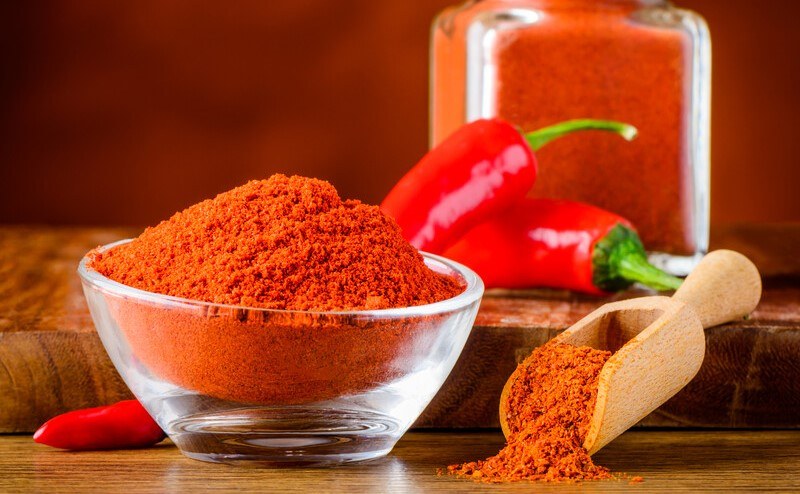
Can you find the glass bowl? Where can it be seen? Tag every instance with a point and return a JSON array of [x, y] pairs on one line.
[[236, 384]]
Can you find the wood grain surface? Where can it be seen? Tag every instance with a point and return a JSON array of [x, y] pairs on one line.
[[673, 461], [52, 361]]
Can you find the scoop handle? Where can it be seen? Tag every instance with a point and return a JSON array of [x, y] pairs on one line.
[[724, 286]]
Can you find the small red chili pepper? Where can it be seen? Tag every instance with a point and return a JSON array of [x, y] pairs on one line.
[[560, 244], [477, 172], [120, 426]]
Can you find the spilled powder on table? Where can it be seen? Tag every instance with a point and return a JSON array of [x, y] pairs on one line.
[[550, 407]]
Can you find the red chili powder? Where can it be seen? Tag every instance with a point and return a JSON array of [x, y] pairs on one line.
[[281, 243], [550, 404]]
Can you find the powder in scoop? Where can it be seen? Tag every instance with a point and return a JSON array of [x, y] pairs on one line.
[[550, 406]]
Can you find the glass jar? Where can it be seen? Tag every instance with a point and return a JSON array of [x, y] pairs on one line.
[[643, 62]]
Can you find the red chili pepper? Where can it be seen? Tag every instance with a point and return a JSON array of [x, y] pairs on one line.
[[120, 426], [477, 172], [560, 244]]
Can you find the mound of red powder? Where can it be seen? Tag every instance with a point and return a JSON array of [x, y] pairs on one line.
[[282, 243], [550, 407]]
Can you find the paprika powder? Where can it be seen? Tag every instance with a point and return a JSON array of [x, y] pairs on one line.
[[550, 405], [271, 277], [286, 243]]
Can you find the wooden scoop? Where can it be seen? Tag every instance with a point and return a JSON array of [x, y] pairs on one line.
[[658, 342]]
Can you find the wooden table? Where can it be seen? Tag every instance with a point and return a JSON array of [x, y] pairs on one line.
[[51, 359], [673, 461]]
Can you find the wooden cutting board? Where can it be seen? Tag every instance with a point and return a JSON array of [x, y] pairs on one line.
[[51, 359]]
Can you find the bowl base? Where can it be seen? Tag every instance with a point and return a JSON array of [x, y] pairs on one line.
[[261, 460], [285, 436]]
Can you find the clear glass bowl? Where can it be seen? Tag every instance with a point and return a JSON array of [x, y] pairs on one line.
[[237, 384]]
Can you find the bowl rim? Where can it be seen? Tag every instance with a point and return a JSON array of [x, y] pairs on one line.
[[472, 293]]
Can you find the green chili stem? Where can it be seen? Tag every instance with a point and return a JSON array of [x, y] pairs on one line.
[[539, 138], [619, 259], [636, 268]]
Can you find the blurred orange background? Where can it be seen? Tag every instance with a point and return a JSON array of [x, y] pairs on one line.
[[124, 112]]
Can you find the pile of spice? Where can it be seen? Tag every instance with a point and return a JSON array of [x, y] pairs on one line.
[[550, 405], [282, 243]]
